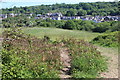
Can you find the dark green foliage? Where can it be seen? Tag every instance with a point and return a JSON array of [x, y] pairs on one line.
[[69, 25], [71, 12], [18, 21], [114, 26], [101, 27], [81, 13], [97, 8], [107, 39]]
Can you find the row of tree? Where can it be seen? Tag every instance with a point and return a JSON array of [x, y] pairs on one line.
[[69, 24], [81, 9]]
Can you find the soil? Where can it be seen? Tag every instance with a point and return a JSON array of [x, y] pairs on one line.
[[65, 59], [112, 56]]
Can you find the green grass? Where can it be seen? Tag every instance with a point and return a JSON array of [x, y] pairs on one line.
[[55, 33]]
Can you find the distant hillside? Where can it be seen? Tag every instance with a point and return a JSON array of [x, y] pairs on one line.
[[98, 8]]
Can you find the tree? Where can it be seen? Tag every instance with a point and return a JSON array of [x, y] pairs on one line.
[[101, 27], [70, 24], [71, 12], [81, 13], [87, 6]]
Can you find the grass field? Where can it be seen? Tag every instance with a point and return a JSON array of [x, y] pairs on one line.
[[55, 33]]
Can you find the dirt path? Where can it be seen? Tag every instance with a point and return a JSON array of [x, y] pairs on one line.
[[112, 56], [65, 59]]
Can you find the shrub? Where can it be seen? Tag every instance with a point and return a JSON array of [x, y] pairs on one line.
[[107, 39], [24, 67]]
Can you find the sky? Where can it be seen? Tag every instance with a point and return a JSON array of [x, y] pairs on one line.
[[18, 3]]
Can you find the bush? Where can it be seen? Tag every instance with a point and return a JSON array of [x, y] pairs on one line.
[[69, 25], [107, 39], [88, 64], [24, 67]]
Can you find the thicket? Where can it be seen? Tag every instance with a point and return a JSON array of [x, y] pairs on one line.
[[108, 39], [25, 56], [69, 24]]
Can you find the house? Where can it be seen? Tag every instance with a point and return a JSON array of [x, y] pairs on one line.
[[12, 15], [77, 17], [37, 18], [16, 14], [28, 14], [39, 15], [3, 16], [54, 14], [31, 14], [107, 18], [59, 16], [56, 18], [115, 18]]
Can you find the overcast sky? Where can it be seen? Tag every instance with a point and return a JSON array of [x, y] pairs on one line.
[[18, 3]]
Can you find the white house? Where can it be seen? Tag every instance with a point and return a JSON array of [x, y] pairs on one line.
[[11, 14]]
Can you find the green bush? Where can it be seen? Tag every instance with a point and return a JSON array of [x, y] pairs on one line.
[[107, 39], [88, 64], [17, 66]]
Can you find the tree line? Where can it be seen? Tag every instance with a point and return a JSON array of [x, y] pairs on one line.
[[64, 24], [81, 9]]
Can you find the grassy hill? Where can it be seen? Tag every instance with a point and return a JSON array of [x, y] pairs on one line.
[[55, 33], [37, 53], [26, 56]]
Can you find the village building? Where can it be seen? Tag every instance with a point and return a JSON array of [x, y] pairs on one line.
[[59, 16]]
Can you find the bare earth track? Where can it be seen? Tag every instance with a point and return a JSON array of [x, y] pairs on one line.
[[65, 59], [112, 56]]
